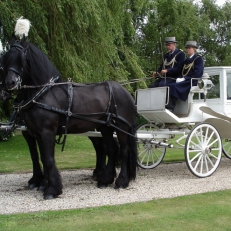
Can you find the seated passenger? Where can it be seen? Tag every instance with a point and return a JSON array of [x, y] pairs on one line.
[[193, 68], [171, 66]]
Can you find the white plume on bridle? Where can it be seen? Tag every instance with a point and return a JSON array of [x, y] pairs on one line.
[[22, 27], [1, 48]]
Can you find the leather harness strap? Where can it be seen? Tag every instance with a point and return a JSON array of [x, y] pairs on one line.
[[110, 120], [110, 116], [69, 104]]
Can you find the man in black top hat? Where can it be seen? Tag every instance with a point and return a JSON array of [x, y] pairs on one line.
[[171, 66]]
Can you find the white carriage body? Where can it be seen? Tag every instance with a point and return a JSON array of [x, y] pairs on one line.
[[203, 123]]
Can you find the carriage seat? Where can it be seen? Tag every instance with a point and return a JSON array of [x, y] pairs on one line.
[[182, 108]]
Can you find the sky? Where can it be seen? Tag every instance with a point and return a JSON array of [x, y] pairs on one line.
[[221, 2], [218, 2]]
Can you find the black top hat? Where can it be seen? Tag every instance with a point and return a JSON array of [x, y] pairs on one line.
[[191, 44], [170, 40]]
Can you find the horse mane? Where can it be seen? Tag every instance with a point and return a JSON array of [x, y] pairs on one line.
[[40, 68]]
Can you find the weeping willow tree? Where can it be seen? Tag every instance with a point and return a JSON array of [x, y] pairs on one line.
[[87, 40]]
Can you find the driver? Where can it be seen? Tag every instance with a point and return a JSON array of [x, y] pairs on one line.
[[172, 64]]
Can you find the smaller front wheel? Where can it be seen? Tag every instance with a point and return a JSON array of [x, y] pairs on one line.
[[203, 150], [149, 155]]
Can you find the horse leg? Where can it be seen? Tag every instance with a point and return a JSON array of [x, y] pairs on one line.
[[37, 179], [54, 186], [101, 151], [128, 152], [109, 173]]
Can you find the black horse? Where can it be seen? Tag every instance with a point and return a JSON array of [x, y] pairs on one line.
[[51, 106], [38, 180]]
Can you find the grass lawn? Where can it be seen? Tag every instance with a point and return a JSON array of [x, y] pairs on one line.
[[78, 153], [202, 212]]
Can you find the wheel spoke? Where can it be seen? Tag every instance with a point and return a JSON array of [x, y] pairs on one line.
[[214, 156], [196, 145], [198, 154], [206, 163], [148, 158], [146, 153], [198, 161], [209, 145], [202, 162], [210, 137], [227, 147], [199, 138], [153, 160], [145, 150], [207, 157]]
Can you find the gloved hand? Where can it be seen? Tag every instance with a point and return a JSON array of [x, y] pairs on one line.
[[178, 80]]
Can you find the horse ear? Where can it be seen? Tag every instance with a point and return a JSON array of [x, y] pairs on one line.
[[13, 39]]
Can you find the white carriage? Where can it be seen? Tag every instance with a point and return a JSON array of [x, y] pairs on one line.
[[201, 125]]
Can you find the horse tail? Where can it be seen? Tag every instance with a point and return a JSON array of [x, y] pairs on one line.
[[132, 152]]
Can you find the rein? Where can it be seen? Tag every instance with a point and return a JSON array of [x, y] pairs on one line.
[[80, 84]]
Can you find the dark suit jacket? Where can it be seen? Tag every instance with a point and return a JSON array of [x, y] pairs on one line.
[[181, 90]]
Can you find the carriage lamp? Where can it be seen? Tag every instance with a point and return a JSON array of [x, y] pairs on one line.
[[205, 83], [203, 86]]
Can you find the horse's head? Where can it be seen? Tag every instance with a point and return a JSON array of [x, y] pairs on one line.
[[13, 63]]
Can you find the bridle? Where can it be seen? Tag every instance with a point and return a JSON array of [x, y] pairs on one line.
[[18, 78]]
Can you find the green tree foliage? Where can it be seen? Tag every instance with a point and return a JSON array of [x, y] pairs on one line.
[[217, 45], [121, 40], [87, 40]]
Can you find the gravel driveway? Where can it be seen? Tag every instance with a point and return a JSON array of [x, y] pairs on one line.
[[80, 191]]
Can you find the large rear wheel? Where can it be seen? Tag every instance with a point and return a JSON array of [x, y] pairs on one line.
[[226, 143], [203, 150], [149, 155]]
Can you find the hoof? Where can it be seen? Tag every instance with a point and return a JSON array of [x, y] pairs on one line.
[[117, 187], [41, 188], [95, 178], [102, 186], [49, 197], [32, 186]]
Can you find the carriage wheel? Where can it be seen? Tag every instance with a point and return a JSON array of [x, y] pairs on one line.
[[203, 150], [226, 143], [149, 155]]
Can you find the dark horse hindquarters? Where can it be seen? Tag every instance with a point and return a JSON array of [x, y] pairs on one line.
[[27, 63]]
